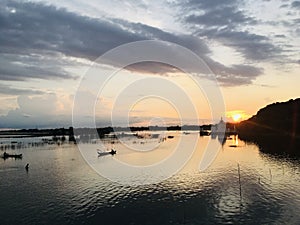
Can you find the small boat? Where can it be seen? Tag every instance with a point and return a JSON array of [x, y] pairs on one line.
[[16, 156], [204, 133], [233, 146], [102, 153]]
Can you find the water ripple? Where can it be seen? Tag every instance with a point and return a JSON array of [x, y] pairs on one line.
[[60, 188]]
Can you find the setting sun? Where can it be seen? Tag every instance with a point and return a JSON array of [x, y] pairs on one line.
[[236, 117]]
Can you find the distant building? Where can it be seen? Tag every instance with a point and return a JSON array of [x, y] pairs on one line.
[[223, 128], [219, 128]]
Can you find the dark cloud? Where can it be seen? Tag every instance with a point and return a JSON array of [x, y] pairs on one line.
[[235, 74], [225, 22], [31, 28], [15, 67], [284, 6], [35, 37], [8, 90], [147, 32], [203, 4], [253, 47], [152, 67], [227, 16], [295, 22], [280, 36], [296, 4]]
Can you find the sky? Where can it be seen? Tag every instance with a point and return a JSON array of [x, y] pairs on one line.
[[47, 48]]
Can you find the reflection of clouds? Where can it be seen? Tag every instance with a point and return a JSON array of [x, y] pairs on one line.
[[210, 197], [133, 168], [262, 199]]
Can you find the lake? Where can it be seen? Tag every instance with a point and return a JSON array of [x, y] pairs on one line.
[[60, 187]]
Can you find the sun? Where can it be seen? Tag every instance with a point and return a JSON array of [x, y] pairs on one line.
[[236, 117]]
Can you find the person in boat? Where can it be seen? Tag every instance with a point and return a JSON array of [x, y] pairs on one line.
[[112, 151], [27, 166]]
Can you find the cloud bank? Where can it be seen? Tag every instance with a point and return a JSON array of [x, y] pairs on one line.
[[35, 37]]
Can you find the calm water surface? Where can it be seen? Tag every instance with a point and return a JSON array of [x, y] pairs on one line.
[[60, 187]]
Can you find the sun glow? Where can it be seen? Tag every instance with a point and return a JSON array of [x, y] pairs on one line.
[[236, 115]]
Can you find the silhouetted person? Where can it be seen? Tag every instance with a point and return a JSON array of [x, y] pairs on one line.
[[27, 167], [113, 151]]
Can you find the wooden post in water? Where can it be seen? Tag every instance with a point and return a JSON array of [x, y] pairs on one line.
[[240, 182]]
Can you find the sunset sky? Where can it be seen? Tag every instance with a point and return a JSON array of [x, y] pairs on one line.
[[47, 47]]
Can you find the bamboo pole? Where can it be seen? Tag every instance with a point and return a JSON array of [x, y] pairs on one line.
[[240, 185]]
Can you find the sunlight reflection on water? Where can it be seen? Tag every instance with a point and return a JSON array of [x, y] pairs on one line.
[[60, 188]]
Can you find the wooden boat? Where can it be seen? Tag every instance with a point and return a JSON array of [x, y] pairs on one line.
[[204, 132], [233, 146], [16, 156], [102, 153]]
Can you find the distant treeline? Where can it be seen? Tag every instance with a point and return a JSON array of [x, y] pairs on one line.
[[55, 132], [275, 128], [91, 131]]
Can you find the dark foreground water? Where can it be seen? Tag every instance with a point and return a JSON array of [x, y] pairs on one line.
[[60, 188]]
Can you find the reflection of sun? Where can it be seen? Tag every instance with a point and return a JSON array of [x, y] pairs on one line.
[[236, 117]]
